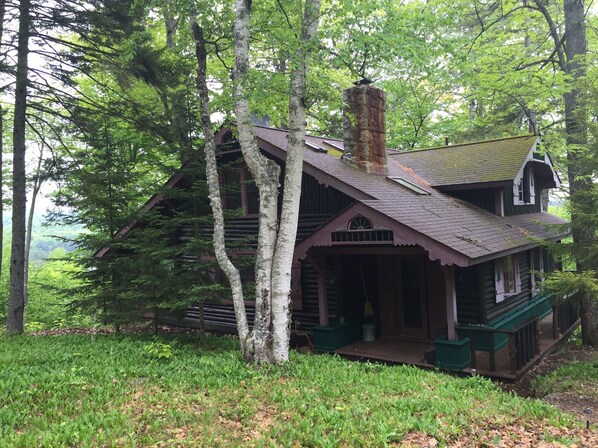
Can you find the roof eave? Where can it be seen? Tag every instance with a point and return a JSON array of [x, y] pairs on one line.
[[474, 186], [515, 250]]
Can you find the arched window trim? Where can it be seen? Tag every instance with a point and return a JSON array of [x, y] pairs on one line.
[[359, 223]]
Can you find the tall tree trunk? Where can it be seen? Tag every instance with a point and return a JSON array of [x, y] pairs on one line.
[[37, 185], [266, 175], [2, 13], [577, 138], [16, 299], [531, 113], [287, 233], [1, 185], [178, 111], [231, 272], [269, 340], [571, 53]]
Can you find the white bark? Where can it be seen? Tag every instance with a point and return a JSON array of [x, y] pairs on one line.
[[285, 243], [269, 340], [266, 174], [231, 272]]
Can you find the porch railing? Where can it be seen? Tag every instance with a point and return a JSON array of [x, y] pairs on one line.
[[564, 316], [523, 344]]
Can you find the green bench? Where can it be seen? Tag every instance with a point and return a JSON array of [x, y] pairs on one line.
[[540, 307]]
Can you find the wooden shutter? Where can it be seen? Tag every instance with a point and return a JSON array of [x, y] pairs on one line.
[[499, 280]]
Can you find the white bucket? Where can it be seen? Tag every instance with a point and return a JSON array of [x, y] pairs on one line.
[[369, 332]]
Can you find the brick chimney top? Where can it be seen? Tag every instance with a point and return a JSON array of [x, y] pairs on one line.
[[364, 129]]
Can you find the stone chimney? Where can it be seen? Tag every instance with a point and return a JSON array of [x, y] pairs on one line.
[[364, 129]]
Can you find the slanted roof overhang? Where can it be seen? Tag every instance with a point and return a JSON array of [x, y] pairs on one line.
[[406, 236], [475, 186], [402, 236], [321, 176], [149, 204]]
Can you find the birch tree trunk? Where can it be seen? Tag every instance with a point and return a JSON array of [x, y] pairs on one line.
[[16, 298], [287, 233], [268, 342], [231, 272], [266, 174]]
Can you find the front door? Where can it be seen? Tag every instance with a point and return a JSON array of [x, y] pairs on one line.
[[413, 319], [402, 296]]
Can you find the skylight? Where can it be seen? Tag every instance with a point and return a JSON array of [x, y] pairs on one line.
[[315, 147], [335, 145], [409, 185]]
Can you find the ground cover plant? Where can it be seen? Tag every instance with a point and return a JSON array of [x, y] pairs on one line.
[[578, 377], [141, 390]]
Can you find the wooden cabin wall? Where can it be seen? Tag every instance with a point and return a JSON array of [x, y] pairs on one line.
[[317, 199], [318, 204], [468, 291], [494, 310], [436, 299], [221, 317], [476, 292], [309, 315], [483, 197]]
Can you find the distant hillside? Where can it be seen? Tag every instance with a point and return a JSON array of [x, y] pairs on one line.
[[45, 238]]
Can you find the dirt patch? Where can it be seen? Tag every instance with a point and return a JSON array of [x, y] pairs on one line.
[[540, 435], [140, 328], [582, 406]]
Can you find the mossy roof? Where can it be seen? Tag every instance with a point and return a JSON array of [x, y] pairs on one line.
[[444, 224], [471, 163]]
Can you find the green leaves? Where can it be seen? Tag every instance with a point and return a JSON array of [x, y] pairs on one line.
[[108, 389]]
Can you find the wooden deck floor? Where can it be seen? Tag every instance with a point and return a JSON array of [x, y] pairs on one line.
[[398, 351]]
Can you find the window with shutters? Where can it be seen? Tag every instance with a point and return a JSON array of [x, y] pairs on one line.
[[507, 279]]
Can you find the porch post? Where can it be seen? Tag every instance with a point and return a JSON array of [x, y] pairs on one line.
[[451, 301], [320, 265]]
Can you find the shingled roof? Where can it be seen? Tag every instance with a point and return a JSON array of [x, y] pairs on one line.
[[492, 161], [436, 221]]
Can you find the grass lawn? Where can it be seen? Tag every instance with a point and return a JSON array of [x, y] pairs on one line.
[[130, 391]]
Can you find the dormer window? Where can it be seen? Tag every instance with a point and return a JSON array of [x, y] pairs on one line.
[[524, 192]]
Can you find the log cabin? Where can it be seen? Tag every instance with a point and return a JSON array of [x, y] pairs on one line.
[[429, 257]]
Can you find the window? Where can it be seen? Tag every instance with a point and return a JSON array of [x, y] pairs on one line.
[[409, 185], [509, 276], [524, 191], [239, 190], [536, 266], [507, 280], [360, 223]]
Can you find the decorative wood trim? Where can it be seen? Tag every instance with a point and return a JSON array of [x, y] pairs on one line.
[[402, 236]]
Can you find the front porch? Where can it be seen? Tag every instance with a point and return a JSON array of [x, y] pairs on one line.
[[500, 364]]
